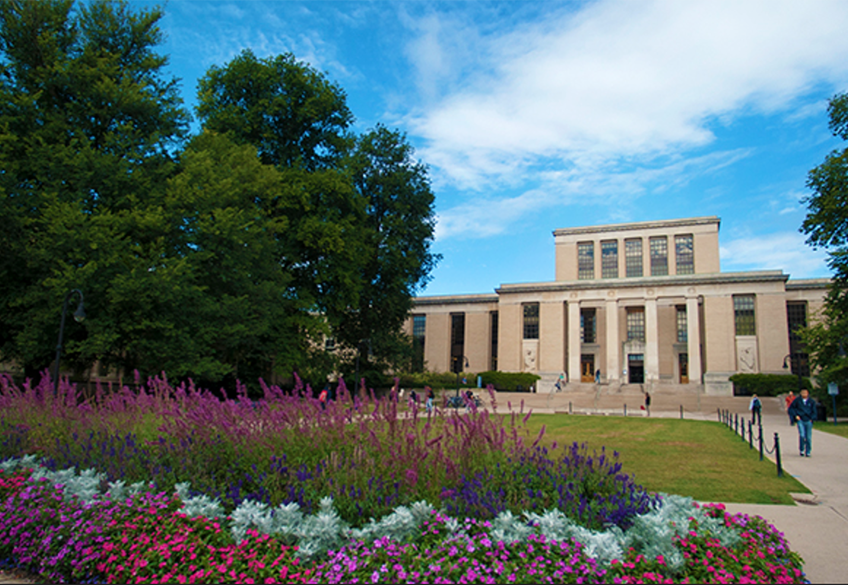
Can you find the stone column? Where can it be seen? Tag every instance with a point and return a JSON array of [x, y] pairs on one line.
[[693, 335], [652, 344], [574, 341], [613, 372]]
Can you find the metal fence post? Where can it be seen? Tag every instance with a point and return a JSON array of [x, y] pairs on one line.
[[761, 442], [625, 410], [736, 423], [750, 434], [777, 455], [569, 407], [681, 412]]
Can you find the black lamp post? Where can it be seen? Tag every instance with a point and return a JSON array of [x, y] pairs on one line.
[[790, 359], [358, 352], [79, 316], [457, 364]]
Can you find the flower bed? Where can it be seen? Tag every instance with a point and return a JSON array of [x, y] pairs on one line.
[[178, 485]]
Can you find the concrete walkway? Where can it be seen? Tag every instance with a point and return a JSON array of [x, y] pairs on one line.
[[816, 526]]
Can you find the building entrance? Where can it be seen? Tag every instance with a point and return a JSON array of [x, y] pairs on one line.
[[636, 368], [587, 368], [683, 362]]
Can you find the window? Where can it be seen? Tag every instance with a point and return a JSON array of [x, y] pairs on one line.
[[743, 310], [684, 252], [457, 341], [682, 325], [494, 366], [609, 259], [419, 326], [588, 326], [531, 321], [636, 324], [659, 256], [633, 258], [796, 318], [329, 343], [585, 260]]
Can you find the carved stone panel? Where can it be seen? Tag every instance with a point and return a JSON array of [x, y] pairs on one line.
[[746, 355]]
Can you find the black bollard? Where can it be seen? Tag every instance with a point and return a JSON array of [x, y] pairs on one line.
[[736, 423], [761, 442], [681, 412], [625, 410], [569, 407], [750, 434], [777, 455]]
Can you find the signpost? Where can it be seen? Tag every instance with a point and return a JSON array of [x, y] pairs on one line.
[[833, 390]]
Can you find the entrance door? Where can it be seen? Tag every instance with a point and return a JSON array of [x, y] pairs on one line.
[[587, 368], [636, 368], [683, 362]]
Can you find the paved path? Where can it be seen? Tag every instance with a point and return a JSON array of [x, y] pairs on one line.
[[816, 527]]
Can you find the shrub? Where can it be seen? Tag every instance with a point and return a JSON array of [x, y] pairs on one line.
[[766, 384]]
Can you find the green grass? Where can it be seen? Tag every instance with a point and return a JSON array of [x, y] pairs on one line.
[[700, 459], [840, 429]]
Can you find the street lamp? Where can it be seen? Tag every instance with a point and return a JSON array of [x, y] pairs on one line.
[[457, 364], [791, 360], [79, 316]]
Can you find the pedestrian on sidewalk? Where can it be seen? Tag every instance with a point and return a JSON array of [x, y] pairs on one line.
[[790, 398], [756, 408], [803, 412]]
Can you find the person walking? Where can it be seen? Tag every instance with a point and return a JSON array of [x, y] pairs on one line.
[[322, 397], [431, 397], [790, 398], [803, 412], [756, 408]]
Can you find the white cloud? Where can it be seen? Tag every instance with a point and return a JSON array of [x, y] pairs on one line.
[[625, 80], [779, 251]]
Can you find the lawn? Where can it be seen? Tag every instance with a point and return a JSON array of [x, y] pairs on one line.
[[700, 459], [840, 429]]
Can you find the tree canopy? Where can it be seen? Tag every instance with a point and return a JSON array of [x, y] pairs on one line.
[[221, 256], [826, 227]]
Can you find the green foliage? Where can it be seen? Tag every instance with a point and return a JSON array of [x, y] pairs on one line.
[[509, 381], [87, 122], [767, 384], [826, 227], [506, 381], [396, 236]]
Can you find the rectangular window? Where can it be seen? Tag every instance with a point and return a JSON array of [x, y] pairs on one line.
[[684, 252], [796, 318], [743, 310], [457, 342], [682, 325], [636, 324], [659, 256], [609, 259], [329, 343], [531, 321], [585, 260], [633, 258], [494, 366], [419, 327], [588, 326]]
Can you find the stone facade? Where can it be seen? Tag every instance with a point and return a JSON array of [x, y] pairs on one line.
[[639, 303]]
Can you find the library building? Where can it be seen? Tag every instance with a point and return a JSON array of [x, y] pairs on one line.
[[634, 303]]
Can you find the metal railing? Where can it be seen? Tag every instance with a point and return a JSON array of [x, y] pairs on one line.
[[732, 421]]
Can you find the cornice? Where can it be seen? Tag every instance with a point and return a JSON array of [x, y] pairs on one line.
[[456, 299], [650, 281], [644, 225]]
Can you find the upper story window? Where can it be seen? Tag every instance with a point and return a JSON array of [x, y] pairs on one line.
[[494, 364], [588, 326], [586, 260], [743, 310], [609, 259], [419, 325], [636, 324], [633, 258], [531, 321], [457, 341], [682, 325], [659, 256], [684, 252]]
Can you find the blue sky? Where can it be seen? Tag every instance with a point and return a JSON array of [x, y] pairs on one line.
[[534, 116]]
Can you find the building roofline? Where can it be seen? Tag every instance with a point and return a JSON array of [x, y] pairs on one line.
[[802, 283], [642, 225], [455, 299], [691, 279]]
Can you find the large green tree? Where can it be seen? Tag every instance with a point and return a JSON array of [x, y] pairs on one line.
[[299, 122], [87, 124], [397, 235], [826, 227]]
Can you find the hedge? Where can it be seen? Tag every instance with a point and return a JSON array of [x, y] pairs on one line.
[[505, 381], [766, 384]]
